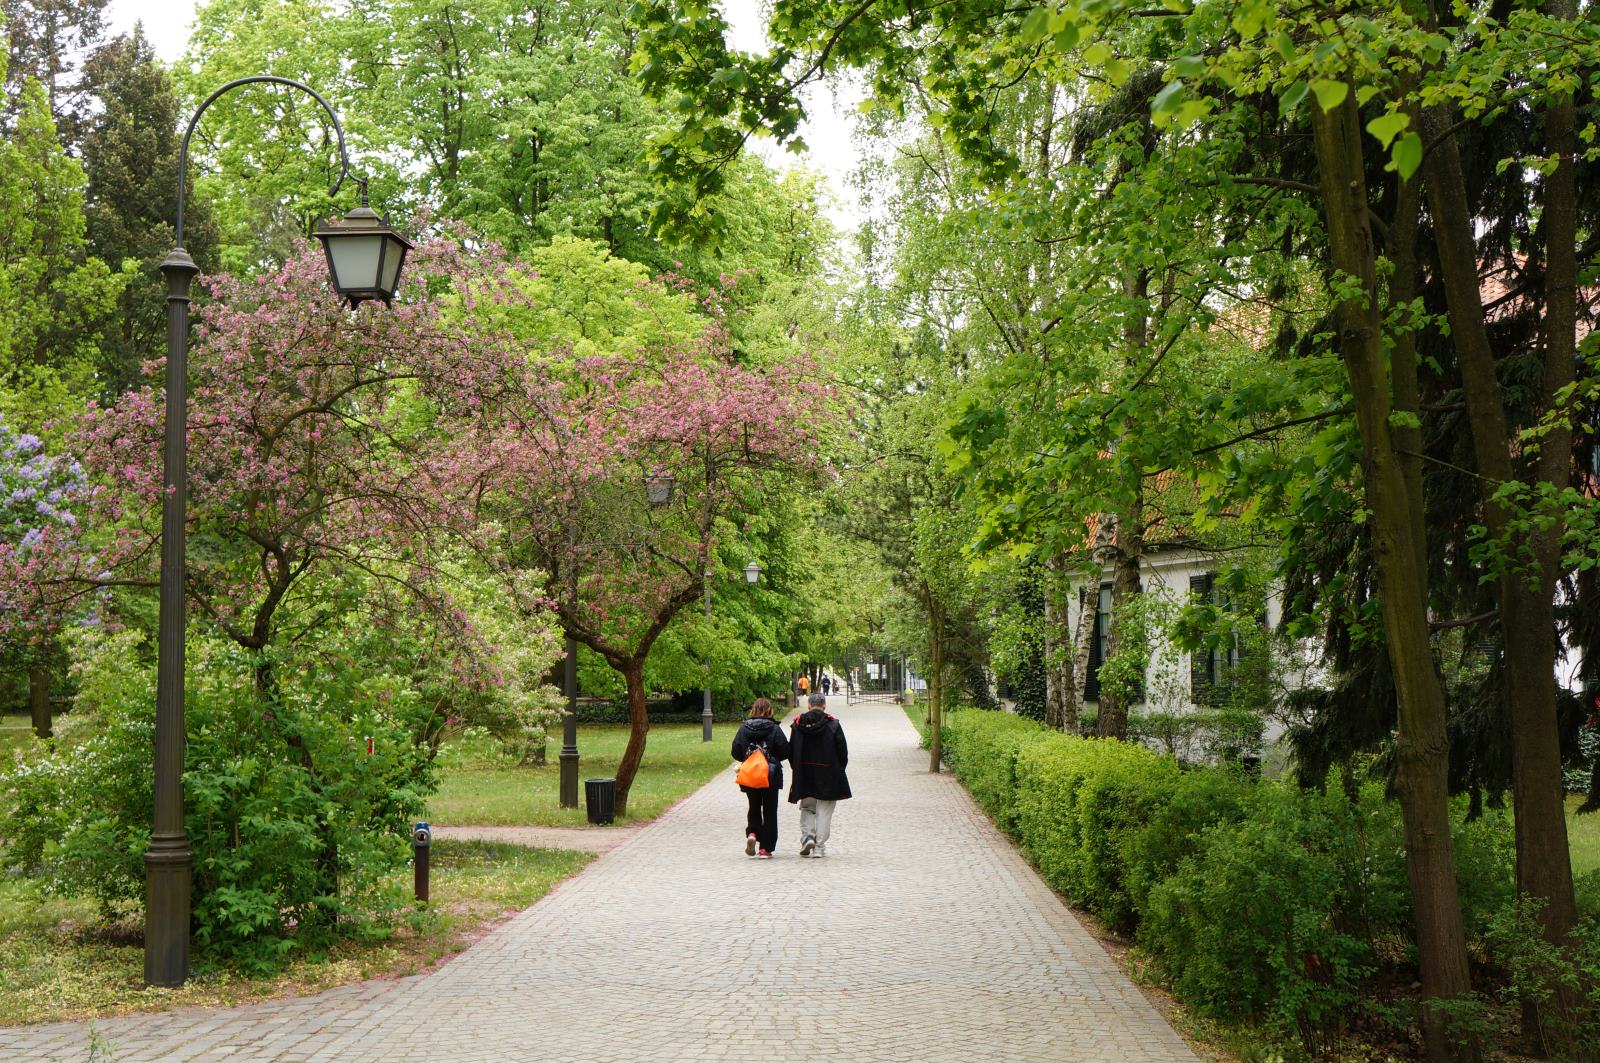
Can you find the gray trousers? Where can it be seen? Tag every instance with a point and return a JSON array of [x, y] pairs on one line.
[[815, 819]]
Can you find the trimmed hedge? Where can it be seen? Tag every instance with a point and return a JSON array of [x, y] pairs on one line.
[[982, 745], [1078, 800], [1256, 901]]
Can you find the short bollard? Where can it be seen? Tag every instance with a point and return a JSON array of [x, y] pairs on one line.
[[421, 839]]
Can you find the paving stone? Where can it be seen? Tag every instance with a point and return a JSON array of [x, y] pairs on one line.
[[922, 936]]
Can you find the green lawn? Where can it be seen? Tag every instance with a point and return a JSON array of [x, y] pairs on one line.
[[14, 732], [1583, 835], [57, 961], [479, 786]]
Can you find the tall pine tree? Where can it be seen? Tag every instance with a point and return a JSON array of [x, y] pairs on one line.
[[130, 151]]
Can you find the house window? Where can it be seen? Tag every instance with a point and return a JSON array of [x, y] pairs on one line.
[[1100, 647], [1211, 670]]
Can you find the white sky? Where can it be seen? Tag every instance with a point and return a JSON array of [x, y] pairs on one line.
[[827, 133]]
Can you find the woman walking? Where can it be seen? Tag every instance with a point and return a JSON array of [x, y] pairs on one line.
[[761, 732]]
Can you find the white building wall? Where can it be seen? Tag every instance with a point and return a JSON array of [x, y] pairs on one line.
[[1167, 574]]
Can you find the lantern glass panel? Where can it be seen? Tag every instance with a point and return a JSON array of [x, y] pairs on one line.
[[394, 256], [658, 489], [355, 261]]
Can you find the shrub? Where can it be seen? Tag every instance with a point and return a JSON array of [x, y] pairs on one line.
[[1537, 971], [1198, 800], [1077, 800], [1268, 919], [981, 746], [295, 828]]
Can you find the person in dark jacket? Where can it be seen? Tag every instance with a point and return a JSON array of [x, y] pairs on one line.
[[818, 752], [761, 731]]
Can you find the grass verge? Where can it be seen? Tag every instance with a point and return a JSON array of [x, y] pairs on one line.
[[15, 732], [1583, 835], [480, 786], [59, 962], [917, 713]]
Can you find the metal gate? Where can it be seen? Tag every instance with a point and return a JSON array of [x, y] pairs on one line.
[[876, 677]]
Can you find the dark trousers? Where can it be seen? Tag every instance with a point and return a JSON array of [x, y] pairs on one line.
[[762, 820]]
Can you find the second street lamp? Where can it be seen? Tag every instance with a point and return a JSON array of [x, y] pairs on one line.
[[169, 861], [752, 574], [658, 487]]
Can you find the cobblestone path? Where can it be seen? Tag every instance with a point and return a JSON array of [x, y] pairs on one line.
[[922, 936]]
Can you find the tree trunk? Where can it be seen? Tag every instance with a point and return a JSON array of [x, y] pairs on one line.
[[1526, 600], [1082, 640], [935, 684], [638, 731], [1125, 587], [39, 699], [1422, 743], [1591, 803]]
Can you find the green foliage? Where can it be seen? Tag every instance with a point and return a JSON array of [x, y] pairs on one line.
[[293, 825], [1256, 902], [981, 747], [1174, 829], [1264, 921], [55, 296], [1540, 972], [130, 155], [518, 119], [1078, 799]]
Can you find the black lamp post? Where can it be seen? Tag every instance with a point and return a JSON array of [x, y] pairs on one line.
[[358, 274], [658, 488], [752, 574]]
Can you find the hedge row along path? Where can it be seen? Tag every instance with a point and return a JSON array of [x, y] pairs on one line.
[[922, 936]]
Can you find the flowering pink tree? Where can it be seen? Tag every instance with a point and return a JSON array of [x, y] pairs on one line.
[[308, 424], [556, 473], [313, 464]]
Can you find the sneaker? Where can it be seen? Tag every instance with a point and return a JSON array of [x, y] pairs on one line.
[[762, 854], [819, 853], [750, 845], [807, 844]]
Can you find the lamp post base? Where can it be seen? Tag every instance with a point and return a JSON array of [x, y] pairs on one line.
[[168, 866], [569, 761]]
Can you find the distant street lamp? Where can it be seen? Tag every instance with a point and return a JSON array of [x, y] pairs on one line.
[[364, 260], [658, 488], [657, 492], [752, 574]]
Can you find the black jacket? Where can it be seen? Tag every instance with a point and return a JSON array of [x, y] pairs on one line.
[[819, 755], [763, 731]]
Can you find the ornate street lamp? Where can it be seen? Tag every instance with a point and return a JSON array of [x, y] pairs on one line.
[[657, 492], [168, 861], [752, 573], [365, 255]]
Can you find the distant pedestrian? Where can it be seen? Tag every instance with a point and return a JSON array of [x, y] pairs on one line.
[[818, 752], [803, 685], [827, 685], [761, 732]]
